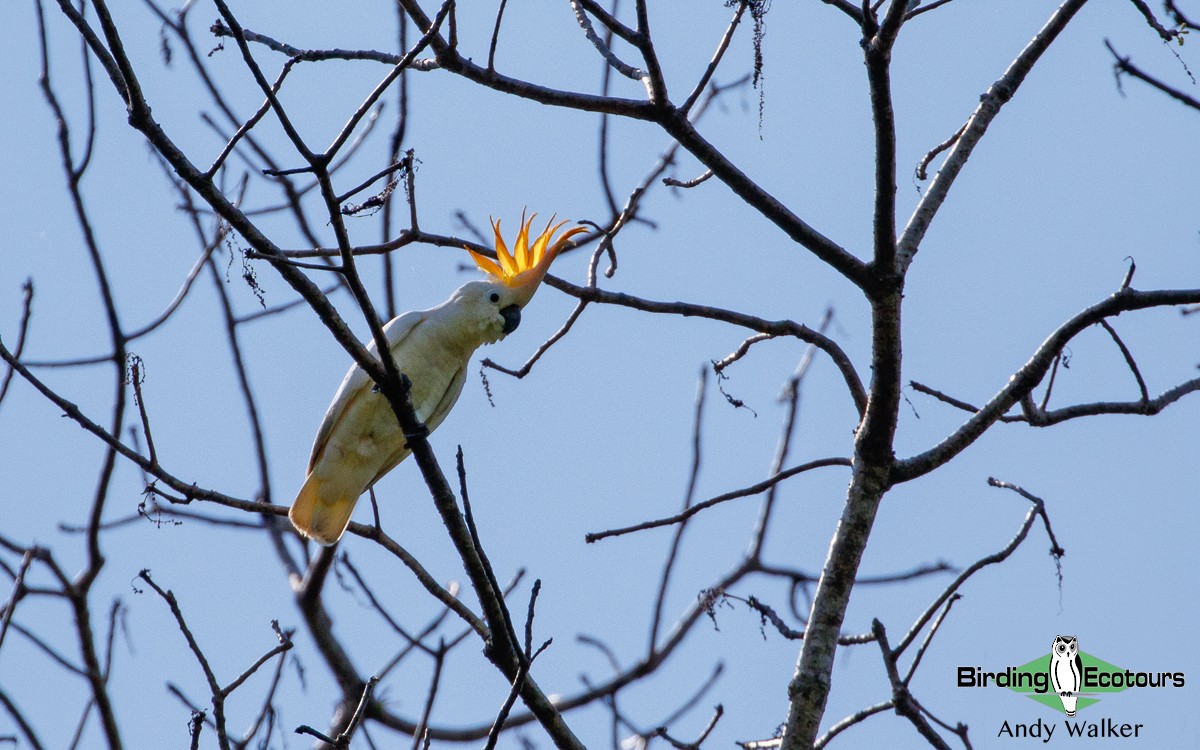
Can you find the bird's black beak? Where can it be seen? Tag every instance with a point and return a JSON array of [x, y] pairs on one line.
[[512, 318]]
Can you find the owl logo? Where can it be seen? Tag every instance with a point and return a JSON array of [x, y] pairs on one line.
[[1066, 671]]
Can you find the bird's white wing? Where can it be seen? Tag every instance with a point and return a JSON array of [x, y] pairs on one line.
[[357, 382], [439, 412]]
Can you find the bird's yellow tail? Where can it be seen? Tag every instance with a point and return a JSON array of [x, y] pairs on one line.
[[322, 510]]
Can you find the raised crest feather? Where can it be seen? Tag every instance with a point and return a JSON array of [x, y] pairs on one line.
[[526, 265]]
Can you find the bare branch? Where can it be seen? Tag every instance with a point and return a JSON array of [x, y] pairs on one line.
[[1178, 16], [615, 62], [723, 45], [285, 645], [218, 696], [49, 650], [1024, 380], [925, 8], [189, 490], [610, 22], [524, 369], [742, 350], [718, 712], [955, 402], [439, 660], [1038, 510], [1167, 35], [850, 9], [902, 699], [924, 163], [857, 717], [657, 86], [1147, 408], [382, 86], [1123, 65], [285, 121], [23, 328], [518, 682], [251, 122], [688, 495], [775, 328], [220, 29], [496, 36], [18, 592], [1128, 359], [672, 182], [413, 640], [1027, 401], [989, 106], [22, 723], [343, 739], [753, 489], [136, 376], [916, 662]]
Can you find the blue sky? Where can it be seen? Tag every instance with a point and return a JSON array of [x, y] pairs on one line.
[[1075, 175]]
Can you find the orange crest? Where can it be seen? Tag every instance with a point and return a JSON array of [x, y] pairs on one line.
[[527, 264]]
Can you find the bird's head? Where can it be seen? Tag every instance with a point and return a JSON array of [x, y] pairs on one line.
[[514, 277]]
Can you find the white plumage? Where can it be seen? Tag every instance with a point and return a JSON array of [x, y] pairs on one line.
[[359, 439]]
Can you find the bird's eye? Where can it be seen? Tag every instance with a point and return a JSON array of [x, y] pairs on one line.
[[494, 297]]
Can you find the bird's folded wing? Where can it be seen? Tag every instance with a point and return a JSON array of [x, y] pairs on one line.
[[357, 383], [434, 419]]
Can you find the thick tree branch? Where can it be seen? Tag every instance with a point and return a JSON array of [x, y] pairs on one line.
[[676, 124]]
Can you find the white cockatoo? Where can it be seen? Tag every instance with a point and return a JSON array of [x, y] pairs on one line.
[[359, 439]]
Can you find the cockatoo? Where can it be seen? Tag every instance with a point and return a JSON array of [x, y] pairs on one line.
[[359, 439]]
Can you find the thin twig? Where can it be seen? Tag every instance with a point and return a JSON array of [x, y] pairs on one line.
[[285, 645], [718, 712], [21, 721], [251, 122], [135, 376], [856, 718], [1038, 510], [18, 591], [723, 45], [990, 104], [925, 8], [529, 655], [753, 489], [1129, 360], [439, 660], [903, 700], [524, 369], [916, 662], [933, 152], [22, 329], [413, 640], [1031, 373], [1060, 359], [672, 182], [218, 696], [495, 36], [688, 496]]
